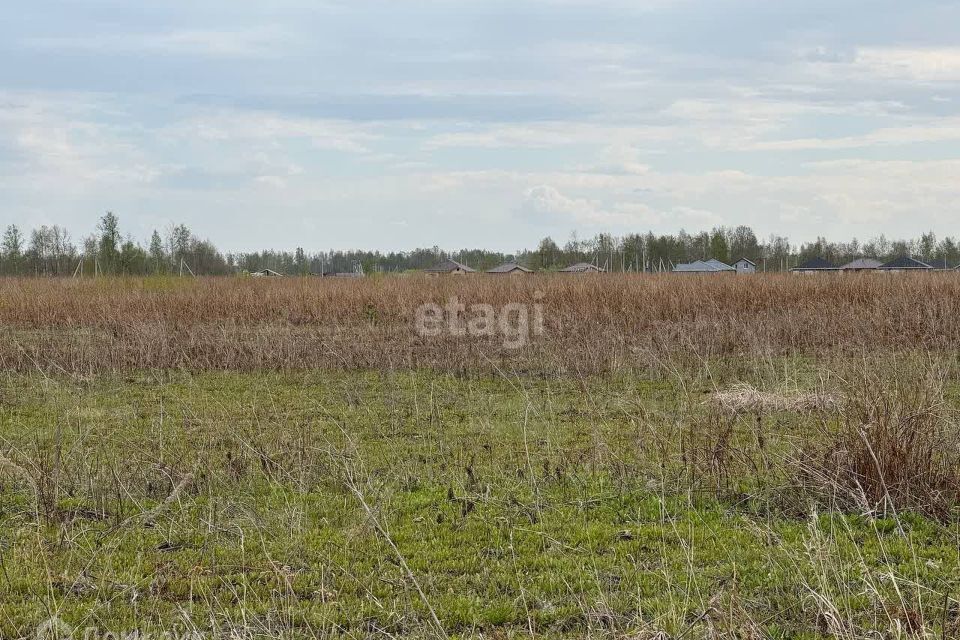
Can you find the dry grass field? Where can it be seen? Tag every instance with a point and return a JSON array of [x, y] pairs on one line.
[[593, 324], [744, 457]]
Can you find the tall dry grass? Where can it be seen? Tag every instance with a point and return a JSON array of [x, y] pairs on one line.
[[594, 323], [894, 444], [877, 436]]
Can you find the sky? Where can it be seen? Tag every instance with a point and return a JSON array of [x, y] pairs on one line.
[[394, 124]]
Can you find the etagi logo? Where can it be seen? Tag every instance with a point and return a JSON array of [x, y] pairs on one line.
[[515, 322]]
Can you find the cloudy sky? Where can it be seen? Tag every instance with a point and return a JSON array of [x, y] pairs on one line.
[[393, 124]]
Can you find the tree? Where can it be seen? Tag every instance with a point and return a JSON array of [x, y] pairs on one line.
[[11, 248], [300, 262], [948, 253], [573, 244], [12, 242], [179, 241], [633, 250], [62, 248], [928, 246], [156, 252], [545, 256], [132, 258], [901, 248], [39, 251], [109, 229], [776, 253], [743, 244], [822, 248], [203, 258], [606, 246], [719, 247]]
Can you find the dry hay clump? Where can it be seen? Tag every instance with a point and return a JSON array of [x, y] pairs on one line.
[[745, 398]]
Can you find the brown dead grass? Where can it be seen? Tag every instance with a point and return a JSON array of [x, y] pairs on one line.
[[877, 436], [594, 323], [894, 444]]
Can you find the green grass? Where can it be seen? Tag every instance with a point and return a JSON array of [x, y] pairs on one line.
[[323, 504]]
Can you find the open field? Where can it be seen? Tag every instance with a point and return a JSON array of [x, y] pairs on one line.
[[673, 458], [593, 324]]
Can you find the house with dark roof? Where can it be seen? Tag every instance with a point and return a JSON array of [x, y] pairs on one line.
[[814, 266], [266, 273], [450, 267], [704, 266], [356, 273], [511, 269], [582, 267], [904, 264], [862, 264]]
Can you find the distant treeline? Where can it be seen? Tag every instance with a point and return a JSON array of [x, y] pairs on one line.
[[50, 251]]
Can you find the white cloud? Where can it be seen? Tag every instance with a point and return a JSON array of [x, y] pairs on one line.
[[619, 158], [928, 130], [58, 145], [732, 123], [544, 200], [253, 42], [272, 129], [275, 182], [920, 64], [544, 135], [547, 201], [850, 197]]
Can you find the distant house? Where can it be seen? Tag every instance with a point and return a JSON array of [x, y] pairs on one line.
[[356, 273], [905, 263], [266, 273], [814, 266], [697, 266], [450, 267], [862, 264], [511, 269], [745, 265], [719, 266], [582, 267], [704, 266]]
